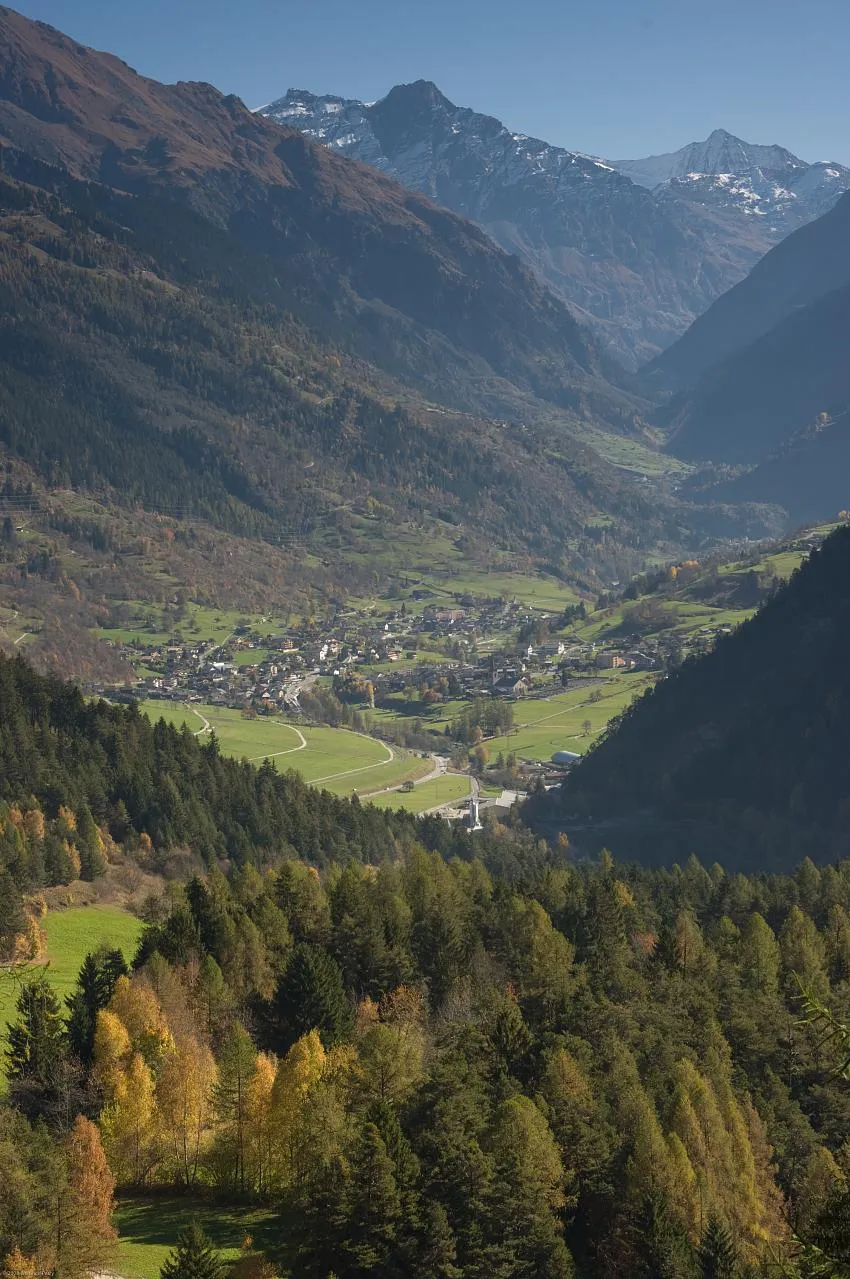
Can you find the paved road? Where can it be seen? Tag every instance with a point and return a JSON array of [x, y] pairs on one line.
[[297, 685], [441, 766]]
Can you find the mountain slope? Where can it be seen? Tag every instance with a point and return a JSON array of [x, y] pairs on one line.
[[205, 316], [640, 268], [406, 284], [753, 402], [763, 183], [741, 751], [812, 262]]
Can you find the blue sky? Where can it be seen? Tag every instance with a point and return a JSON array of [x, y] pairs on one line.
[[619, 78]]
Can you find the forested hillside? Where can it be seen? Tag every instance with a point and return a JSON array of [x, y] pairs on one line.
[[427, 1051], [741, 750]]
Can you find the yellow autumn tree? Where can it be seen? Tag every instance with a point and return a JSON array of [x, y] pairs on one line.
[[728, 1152], [87, 1239], [112, 1050], [17, 1265], [297, 1073], [184, 1100], [129, 1123], [259, 1142], [135, 1003]]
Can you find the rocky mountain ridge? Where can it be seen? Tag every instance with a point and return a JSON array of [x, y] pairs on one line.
[[768, 183], [638, 265]]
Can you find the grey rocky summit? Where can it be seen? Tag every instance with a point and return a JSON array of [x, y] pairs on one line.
[[637, 264]]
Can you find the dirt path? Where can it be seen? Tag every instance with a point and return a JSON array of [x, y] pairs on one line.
[[366, 768], [290, 750]]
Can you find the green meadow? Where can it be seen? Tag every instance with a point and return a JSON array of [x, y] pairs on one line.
[[431, 794], [334, 758], [547, 725], [148, 1230], [71, 934]]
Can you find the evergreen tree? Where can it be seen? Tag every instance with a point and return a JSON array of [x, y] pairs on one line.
[[89, 845], [98, 974], [373, 1208], [13, 921], [661, 1250], [311, 996], [716, 1253], [193, 1258], [36, 1055]]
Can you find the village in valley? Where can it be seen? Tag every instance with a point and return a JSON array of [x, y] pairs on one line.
[[439, 697]]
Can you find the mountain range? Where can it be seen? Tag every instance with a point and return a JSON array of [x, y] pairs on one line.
[[766, 183], [763, 378], [637, 264], [208, 319]]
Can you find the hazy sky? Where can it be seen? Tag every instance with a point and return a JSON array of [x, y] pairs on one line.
[[618, 78]]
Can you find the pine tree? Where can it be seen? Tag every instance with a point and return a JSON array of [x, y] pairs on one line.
[[311, 996], [95, 984], [37, 1053], [89, 845], [193, 1258], [661, 1249], [437, 1255], [716, 1253], [373, 1207], [13, 921]]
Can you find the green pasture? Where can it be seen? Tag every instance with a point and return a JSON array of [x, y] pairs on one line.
[[334, 758], [442, 790], [148, 1229], [71, 934], [199, 623], [538, 735]]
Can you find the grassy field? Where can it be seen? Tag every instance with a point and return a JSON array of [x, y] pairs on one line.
[[442, 790], [334, 758], [557, 723], [150, 625], [71, 934], [148, 1230]]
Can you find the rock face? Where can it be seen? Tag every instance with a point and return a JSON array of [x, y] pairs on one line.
[[637, 264], [766, 183]]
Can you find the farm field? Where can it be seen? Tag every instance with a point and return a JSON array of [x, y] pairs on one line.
[[557, 723], [683, 616], [71, 934], [442, 790], [148, 624], [148, 1230], [336, 759]]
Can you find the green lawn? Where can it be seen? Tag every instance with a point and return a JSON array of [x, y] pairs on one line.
[[338, 760], [71, 934], [148, 1230], [557, 723], [442, 790]]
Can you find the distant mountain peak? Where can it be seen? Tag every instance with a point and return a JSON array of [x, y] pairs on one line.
[[422, 92], [639, 264]]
